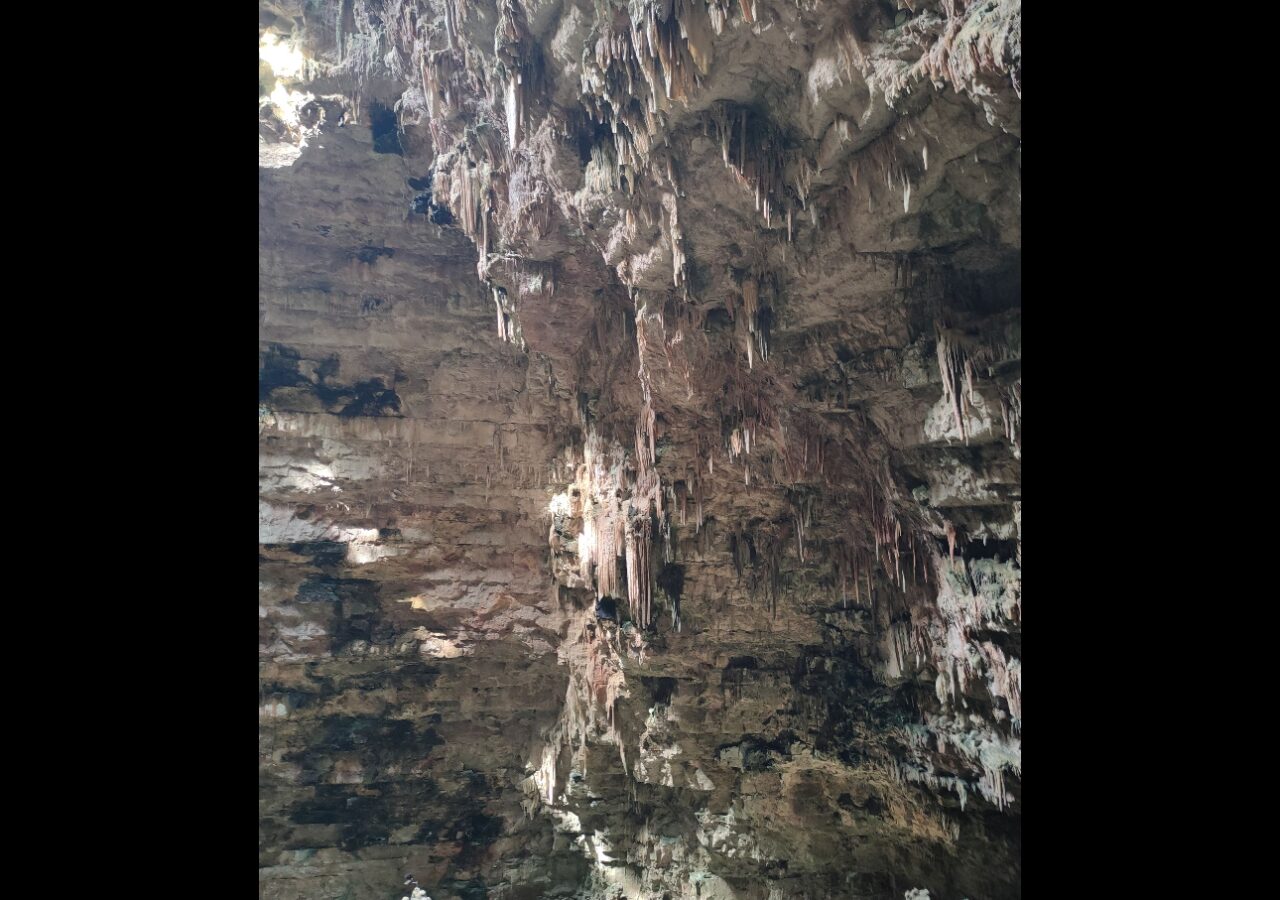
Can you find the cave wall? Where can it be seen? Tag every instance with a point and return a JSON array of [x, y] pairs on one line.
[[640, 450]]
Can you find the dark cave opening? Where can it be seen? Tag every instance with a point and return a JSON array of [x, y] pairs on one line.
[[386, 130]]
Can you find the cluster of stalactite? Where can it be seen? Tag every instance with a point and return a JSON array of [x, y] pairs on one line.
[[928, 776], [968, 43], [1011, 412], [852, 567], [901, 651], [520, 68], [758, 153], [685, 493], [790, 445], [975, 37], [961, 361], [591, 697], [801, 450], [802, 516], [442, 71], [658, 54], [757, 551], [977, 597], [857, 566], [474, 129], [953, 365], [787, 447], [675, 234], [620, 502], [642, 64], [508, 324], [640, 567], [603, 535], [475, 191], [883, 161], [646, 495], [740, 427], [898, 552], [976, 737], [945, 638], [990, 755], [893, 542], [752, 327]]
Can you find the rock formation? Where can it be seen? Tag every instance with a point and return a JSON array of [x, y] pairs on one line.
[[640, 448]]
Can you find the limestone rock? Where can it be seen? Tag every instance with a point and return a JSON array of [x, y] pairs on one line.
[[640, 449]]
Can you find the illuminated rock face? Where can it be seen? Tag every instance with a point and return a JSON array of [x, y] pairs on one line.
[[640, 435]]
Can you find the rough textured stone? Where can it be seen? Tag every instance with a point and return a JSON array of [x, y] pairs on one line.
[[640, 449]]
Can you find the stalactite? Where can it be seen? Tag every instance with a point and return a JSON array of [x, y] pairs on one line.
[[639, 540], [658, 59], [760, 163], [514, 108], [1011, 412], [342, 8], [951, 365]]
